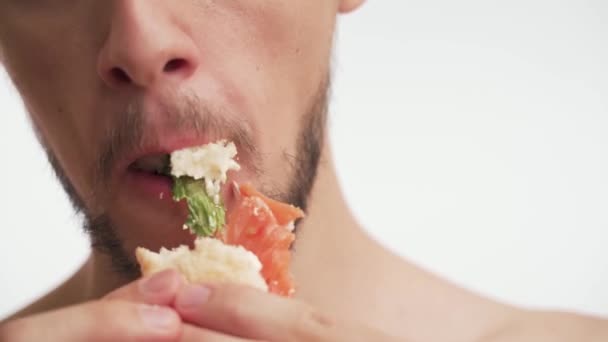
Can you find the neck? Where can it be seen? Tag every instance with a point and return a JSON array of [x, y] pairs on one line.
[[337, 267]]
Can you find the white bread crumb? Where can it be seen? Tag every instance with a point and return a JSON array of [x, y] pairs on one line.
[[210, 162], [211, 261]]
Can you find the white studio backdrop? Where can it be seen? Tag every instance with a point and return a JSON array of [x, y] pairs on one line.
[[471, 137]]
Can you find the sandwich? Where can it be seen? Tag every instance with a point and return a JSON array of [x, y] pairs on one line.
[[249, 245]]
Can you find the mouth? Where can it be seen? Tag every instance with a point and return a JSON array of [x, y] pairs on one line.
[[156, 165], [144, 175], [150, 174]]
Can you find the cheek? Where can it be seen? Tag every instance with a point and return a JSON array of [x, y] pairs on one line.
[[277, 55], [61, 135], [50, 90], [298, 70]]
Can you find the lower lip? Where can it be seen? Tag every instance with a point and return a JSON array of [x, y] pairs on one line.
[[151, 185]]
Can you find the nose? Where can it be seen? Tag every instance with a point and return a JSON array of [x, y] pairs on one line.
[[145, 46]]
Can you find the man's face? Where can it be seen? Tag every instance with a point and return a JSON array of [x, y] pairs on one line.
[[108, 83]]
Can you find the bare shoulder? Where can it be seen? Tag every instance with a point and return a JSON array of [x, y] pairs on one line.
[[53, 300], [68, 293], [429, 301], [549, 326]]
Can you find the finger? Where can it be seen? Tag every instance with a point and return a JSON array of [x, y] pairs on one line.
[[195, 334], [96, 322], [249, 313], [157, 289]]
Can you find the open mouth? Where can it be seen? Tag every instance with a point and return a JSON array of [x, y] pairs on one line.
[[151, 175], [156, 164]]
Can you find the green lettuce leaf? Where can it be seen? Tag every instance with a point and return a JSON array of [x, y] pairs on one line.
[[205, 217]]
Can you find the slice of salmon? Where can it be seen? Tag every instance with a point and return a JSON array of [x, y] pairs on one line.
[[283, 212], [262, 226]]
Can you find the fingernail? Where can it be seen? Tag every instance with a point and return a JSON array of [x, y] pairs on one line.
[[157, 282], [192, 297], [157, 317]]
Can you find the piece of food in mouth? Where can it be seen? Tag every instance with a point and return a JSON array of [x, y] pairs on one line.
[[250, 245], [198, 175]]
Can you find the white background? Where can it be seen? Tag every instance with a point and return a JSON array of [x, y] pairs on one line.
[[471, 138]]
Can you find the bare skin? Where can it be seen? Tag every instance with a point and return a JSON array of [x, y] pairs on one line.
[[262, 63]]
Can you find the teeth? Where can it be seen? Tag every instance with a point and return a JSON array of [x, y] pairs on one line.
[[153, 164]]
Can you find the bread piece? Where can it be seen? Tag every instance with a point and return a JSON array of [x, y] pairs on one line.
[[210, 162], [211, 261]]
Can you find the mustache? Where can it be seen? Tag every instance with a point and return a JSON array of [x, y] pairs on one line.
[[132, 132]]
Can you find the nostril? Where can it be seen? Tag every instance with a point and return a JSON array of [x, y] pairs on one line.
[[120, 75], [175, 64]]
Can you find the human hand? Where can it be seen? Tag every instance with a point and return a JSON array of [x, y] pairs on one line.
[[250, 314], [140, 311], [137, 311]]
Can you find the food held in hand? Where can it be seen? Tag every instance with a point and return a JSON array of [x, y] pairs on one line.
[[249, 245]]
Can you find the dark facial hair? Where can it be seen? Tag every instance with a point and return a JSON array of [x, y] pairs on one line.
[[303, 166]]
